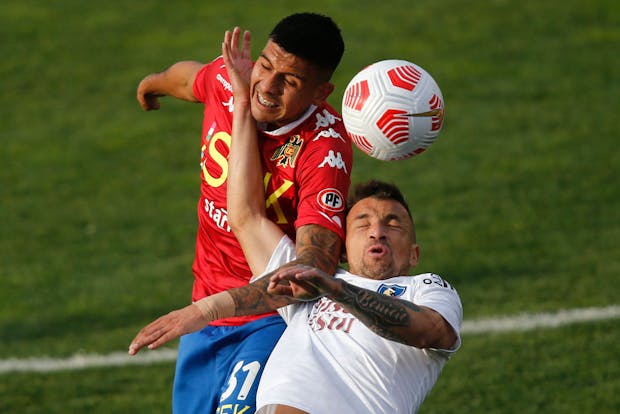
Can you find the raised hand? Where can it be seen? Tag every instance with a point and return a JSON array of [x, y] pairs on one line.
[[238, 61]]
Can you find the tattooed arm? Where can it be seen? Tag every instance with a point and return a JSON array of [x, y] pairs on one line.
[[316, 247], [397, 319], [251, 299], [392, 318]]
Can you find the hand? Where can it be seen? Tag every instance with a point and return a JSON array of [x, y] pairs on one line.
[[238, 61], [168, 327], [302, 283], [147, 100]]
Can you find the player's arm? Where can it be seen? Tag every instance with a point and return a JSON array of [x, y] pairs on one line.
[[176, 81], [392, 318], [257, 235], [318, 247], [251, 299], [397, 319]]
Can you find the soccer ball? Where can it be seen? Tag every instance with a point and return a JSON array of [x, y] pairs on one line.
[[392, 109]]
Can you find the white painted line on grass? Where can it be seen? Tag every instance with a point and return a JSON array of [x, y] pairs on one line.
[[82, 361], [530, 321], [522, 322]]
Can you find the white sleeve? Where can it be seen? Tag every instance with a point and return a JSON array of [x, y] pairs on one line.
[[434, 292], [282, 254]]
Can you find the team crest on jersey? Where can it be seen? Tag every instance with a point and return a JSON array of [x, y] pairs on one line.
[[391, 290], [286, 155]]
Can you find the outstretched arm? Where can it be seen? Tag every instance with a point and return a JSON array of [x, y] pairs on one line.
[[176, 81], [389, 317], [251, 299]]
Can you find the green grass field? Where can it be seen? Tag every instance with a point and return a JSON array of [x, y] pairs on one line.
[[516, 203]]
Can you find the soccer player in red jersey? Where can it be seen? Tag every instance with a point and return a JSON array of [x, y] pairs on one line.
[[306, 159]]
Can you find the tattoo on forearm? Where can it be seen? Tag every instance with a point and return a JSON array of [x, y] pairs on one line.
[[253, 298], [382, 314], [318, 247]]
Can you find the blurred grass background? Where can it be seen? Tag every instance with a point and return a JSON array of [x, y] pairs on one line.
[[516, 203]]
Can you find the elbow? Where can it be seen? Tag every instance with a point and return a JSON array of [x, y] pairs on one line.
[[246, 220], [237, 222], [437, 334]]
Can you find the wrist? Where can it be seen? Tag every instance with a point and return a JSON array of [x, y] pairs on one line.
[[242, 103], [218, 306], [337, 290]]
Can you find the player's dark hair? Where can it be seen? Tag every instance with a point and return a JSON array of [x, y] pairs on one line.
[[311, 36], [377, 189]]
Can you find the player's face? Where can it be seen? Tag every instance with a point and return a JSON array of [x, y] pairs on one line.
[[283, 86], [380, 239]]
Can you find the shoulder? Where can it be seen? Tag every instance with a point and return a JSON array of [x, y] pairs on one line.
[[431, 279], [213, 79], [431, 285], [325, 123], [435, 292], [325, 139], [413, 288]]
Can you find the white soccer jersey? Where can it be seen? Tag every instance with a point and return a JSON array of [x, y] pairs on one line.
[[328, 360]]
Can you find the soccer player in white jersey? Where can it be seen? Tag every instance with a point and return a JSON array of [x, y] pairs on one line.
[[372, 339]]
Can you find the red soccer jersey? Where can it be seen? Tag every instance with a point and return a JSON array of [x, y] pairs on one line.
[[306, 167]]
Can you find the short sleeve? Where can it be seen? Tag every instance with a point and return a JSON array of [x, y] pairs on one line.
[[434, 292], [324, 177]]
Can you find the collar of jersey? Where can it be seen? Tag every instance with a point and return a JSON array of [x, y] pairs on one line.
[[288, 127]]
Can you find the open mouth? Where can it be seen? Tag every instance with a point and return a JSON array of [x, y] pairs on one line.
[[377, 250], [264, 101]]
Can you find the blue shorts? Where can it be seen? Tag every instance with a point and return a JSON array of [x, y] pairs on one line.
[[218, 368]]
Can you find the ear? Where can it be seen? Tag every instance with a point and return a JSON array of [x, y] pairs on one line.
[[322, 92], [414, 255]]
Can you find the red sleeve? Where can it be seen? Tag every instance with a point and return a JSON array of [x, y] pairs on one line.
[[324, 177], [203, 89]]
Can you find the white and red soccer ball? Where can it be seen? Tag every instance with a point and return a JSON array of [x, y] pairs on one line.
[[392, 109]]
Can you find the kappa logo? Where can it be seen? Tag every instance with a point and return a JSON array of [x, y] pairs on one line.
[[329, 133], [287, 153], [391, 290], [334, 160], [331, 199], [325, 119]]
